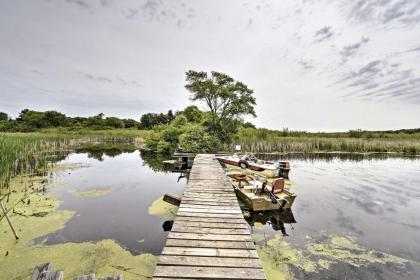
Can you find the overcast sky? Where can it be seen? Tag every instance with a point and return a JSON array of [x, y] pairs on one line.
[[314, 65]]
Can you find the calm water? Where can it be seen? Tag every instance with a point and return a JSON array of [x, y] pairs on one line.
[[122, 214], [376, 200]]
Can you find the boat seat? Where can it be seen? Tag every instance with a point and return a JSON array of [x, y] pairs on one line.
[[277, 184]]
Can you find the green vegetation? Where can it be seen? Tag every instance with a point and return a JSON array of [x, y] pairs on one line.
[[30, 153], [37, 216], [280, 260], [31, 121], [228, 101], [90, 193], [26, 154], [163, 209], [195, 131], [191, 130], [273, 141]]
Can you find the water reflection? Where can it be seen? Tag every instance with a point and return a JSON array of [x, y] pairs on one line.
[[134, 182], [331, 156], [374, 200], [98, 151], [276, 219]]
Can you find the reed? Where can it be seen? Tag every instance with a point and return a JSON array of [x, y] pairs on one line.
[[29, 153], [265, 141]]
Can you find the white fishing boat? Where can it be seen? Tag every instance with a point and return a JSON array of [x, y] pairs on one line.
[[265, 168]]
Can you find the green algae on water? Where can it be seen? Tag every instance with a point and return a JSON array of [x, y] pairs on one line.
[[276, 257], [344, 249], [279, 258], [163, 209], [90, 193], [18, 258]]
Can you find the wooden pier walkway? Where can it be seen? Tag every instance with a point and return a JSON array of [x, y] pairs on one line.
[[209, 238]]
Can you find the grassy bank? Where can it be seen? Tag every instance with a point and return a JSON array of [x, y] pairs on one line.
[[269, 141], [27, 153]]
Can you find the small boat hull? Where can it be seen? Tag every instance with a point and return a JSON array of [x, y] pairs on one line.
[[256, 203], [284, 200], [266, 169]]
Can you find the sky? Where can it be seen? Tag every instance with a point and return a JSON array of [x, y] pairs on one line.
[[316, 65]]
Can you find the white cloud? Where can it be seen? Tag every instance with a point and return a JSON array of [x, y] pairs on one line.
[[129, 57]]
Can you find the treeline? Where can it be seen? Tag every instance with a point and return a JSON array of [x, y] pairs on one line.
[[267, 134], [30, 121]]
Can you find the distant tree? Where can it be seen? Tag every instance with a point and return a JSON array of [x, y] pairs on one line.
[[55, 119], [192, 113], [130, 123], [31, 119], [227, 99], [95, 121], [78, 120], [4, 116], [149, 120], [114, 122], [170, 115], [248, 125]]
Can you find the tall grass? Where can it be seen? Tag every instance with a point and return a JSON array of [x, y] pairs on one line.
[[28, 153], [266, 141]]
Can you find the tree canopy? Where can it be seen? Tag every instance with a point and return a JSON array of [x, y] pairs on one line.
[[228, 100]]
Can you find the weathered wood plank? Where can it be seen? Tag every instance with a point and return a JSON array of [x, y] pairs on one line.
[[210, 244], [238, 220], [210, 225], [208, 210], [210, 203], [208, 215], [179, 228], [208, 236], [40, 270], [210, 252], [209, 261], [219, 207], [201, 272], [86, 277], [211, 199], [209, 195]]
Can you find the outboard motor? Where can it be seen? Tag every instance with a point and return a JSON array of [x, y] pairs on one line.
[[284, 168]]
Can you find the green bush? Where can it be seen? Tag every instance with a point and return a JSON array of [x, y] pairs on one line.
[[197, 139]]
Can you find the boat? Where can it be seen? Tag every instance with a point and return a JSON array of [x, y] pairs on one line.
[[265, 168], [260, 194]]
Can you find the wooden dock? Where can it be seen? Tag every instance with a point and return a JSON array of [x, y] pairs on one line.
[[209, 238]]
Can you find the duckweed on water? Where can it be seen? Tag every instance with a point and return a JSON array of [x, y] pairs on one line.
[[163, 209], [90, 193], [344, 249], [18, 258], [278, 257]]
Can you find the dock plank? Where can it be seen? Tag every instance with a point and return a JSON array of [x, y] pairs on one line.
[[181, 228], [201, 272], [210, 238], [209, 261], [209, 244]]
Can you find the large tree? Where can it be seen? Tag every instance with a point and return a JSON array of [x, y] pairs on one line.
[[228, 100]]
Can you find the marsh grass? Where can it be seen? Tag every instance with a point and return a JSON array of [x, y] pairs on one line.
[[266, 141], [29, 153]]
